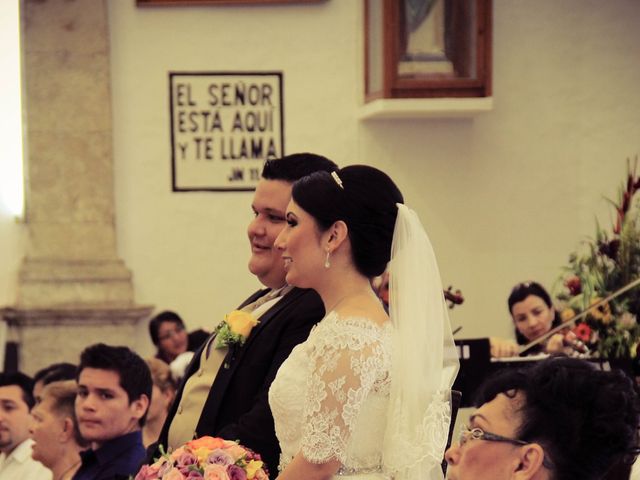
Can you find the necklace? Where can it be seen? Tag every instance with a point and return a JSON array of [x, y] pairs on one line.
[[61, 477]]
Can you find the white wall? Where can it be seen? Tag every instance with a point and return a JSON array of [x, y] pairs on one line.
[[505, 196]]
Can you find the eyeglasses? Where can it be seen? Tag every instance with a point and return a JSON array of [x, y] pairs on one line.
[[476, 433], [171, 333], [467, 434]]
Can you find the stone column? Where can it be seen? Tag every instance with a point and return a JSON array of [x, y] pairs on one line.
[[73, 289]]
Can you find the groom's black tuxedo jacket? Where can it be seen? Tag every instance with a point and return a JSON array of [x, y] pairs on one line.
[[237, 407]]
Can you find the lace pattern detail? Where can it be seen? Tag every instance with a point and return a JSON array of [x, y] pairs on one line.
[[330, 397], [421, 450]]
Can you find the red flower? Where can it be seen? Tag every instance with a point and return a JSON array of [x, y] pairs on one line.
[[583, 332], [574, 285]]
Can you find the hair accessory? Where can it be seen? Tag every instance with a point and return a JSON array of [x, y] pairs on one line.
[[327, 263], [335, 176]]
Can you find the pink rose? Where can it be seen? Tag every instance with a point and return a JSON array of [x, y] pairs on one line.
[[173, 474], [164, 469], [260, 475], [236, 451], [215, 472], [148, 472]]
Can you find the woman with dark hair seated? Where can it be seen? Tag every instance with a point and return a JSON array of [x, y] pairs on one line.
[[168, 333], [559, 420], [533, 315]]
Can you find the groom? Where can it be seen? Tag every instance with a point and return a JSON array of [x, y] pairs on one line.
[[225, 391]]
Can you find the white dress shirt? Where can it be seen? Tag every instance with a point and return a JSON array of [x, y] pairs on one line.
[[19, 465]]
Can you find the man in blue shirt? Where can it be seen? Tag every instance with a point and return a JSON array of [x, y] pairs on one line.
[[114, 388]]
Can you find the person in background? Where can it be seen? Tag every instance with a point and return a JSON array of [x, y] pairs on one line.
[[533, 315], [169, 335], [114, 388], [559, 420], [16, 401], [54, 429], [225, 391], [53, 373], [163, 393]]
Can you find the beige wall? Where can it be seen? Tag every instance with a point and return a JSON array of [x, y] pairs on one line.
[[505, 196]]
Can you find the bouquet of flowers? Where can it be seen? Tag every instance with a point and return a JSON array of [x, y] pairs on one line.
[[602, 266], [208, 458]]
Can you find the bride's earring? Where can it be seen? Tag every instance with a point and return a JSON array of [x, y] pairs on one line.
[[327, 263]]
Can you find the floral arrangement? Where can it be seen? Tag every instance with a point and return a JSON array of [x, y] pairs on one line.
[[234, 329], [602, 266], [208, 458]]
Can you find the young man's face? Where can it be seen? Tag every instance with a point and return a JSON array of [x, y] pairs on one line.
[[14, 418], [103, 408], [269, 206]]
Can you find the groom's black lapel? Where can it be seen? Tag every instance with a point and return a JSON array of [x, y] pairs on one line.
[[225, 375]]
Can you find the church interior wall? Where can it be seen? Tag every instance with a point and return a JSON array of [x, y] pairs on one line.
[[505, 195]]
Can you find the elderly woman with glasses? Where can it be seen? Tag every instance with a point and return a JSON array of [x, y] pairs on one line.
[[533, 316], [558, 420]]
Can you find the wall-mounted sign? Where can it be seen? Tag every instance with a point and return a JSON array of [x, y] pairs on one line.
[[224, 125]]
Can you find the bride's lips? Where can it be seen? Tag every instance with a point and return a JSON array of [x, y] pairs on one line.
[[287, 262]]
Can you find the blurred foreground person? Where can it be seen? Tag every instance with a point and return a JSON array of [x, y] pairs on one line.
[[559, 420]]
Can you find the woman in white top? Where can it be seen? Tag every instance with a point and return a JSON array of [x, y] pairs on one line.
[[364, 397]]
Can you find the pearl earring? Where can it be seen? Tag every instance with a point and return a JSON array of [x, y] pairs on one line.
[[327, 263]]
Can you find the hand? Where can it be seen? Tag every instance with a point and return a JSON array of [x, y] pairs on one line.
[[502, 347], [555, 344]]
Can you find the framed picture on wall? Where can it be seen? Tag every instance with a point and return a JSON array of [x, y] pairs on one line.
[[224, 125], [222, 2]]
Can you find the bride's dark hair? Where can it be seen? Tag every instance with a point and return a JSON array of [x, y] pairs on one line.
[[365, 199]]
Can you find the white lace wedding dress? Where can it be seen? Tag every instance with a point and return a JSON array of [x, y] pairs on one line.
[[330, 397]]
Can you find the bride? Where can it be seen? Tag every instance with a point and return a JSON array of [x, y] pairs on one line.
[[364, 397]]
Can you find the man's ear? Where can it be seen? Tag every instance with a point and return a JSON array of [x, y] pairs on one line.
[[530, 466], [67, 430], [336, 234], [139, 406]]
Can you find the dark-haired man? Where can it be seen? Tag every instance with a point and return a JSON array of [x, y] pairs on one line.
[[226, 390], [559, 420], [114, 388], [16, 401]]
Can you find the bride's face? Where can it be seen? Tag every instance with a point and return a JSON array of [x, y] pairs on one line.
[[300, 245]]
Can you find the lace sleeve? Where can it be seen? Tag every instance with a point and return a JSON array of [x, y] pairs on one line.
[[346, 366]]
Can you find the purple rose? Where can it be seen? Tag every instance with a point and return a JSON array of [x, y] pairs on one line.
[[193, 474], [236, 473], [186, 459], [220, 457]]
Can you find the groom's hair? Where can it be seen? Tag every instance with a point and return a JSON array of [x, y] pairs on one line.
[[295, 166], [586, 420]]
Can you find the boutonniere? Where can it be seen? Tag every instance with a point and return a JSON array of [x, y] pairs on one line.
[[234, 329]]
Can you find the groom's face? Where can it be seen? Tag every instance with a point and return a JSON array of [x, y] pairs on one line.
[[269, 208]]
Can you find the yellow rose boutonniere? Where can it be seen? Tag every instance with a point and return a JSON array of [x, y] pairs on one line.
[[235, 329]]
